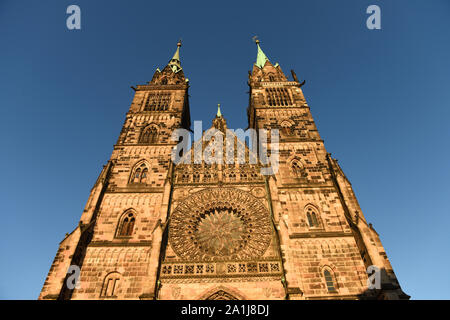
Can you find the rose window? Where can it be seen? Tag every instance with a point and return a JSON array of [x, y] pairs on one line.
[[220, 224]]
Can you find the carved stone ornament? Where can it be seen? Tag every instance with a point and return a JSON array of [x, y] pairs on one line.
[[220, 224]]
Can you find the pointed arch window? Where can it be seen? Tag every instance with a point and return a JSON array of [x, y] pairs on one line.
[[126, 225], [207, 177], [149, 135], [287, 128], [329, 280], [110, 285], [313, 218], [144, 175], [137, 175], [140, 174]]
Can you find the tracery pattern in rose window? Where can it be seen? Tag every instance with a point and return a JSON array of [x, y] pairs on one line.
[[220, 224]]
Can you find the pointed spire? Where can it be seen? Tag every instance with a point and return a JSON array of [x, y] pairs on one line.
[[261, 58], [219, 114], [175, 63], [219, 121]]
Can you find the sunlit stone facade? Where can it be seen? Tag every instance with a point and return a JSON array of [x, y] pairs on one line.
[[152, 229]]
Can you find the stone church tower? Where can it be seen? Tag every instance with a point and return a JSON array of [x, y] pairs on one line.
[[153, 229]]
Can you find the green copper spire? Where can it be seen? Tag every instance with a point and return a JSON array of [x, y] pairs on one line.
[[175, 63], [219, 121], [219, 114], [261, 58]]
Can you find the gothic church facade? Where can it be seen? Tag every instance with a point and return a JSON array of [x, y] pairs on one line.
[[153, 229]]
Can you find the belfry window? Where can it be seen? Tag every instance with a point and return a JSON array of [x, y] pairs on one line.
[[157, 102], [140, 174], [126, 225], [298, 169], [149, 135], [329, 281], [278, 97]]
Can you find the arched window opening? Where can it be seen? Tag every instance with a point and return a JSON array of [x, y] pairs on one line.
[[137, 175], [149, 135], [126, 225], [110, 285], [140, 174], [144, 175], [312, 217], [298, 169], [286, 128], [329, 281]]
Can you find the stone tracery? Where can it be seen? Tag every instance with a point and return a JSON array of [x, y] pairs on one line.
[[220, 224]]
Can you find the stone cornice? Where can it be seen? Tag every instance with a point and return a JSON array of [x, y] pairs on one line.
[[194, 261], [168, 144], [140, 189], [224, 275], [144, 87], [158, 112], [265, 84], [306, 186], [120, 244], [297, 140], [219, 183], [264, 107], [320, 234], [333, 297]]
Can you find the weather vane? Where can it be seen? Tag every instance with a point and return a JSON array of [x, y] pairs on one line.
[[255, 38]]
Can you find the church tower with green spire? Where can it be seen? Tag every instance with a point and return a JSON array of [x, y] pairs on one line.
[[325, 240], [118, 240]]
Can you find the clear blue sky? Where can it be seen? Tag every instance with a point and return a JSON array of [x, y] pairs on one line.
[[380, 99]]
